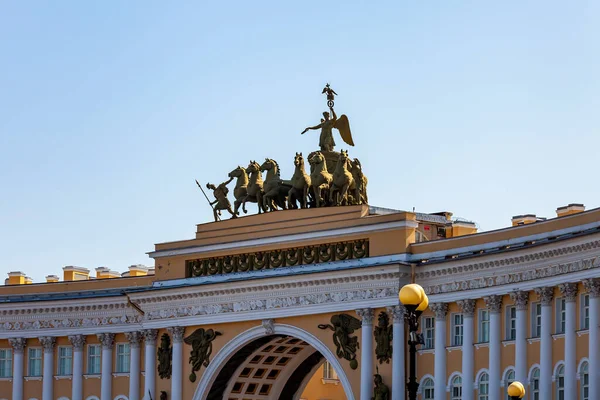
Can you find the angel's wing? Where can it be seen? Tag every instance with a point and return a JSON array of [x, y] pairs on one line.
[[343, 125], [349, 322], [197, 335]]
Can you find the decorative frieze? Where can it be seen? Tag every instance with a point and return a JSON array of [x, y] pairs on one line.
[[278, 258], [440, 310], [546, 295], [467, 307], [569, 291], [107, 340], [493, 303], [77, 341]]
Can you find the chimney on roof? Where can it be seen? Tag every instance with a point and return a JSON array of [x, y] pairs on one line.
[[106, 273], [526, 219], [17, 278], [138, 270], [573, 208], [72, 273], [51, 278]]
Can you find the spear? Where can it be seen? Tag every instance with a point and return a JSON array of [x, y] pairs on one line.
[[211, 206]]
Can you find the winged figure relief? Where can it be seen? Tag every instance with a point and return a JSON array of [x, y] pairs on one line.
[[344, 325], [201, 342]]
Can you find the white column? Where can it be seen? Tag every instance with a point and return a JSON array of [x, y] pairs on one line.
[[48, 343], [107, 340], [77, 387], [546, 296], [439, 368], [18, 345], [150, 364], [177, 363], [521, 300], [398, 372], [366, 353], [593, 287], [468, 368], [134, 339], [494, 305], [569, 292]]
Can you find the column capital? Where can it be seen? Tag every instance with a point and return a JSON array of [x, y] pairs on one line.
[[439, 309], [77, 341], [569, 291], [150, 336], [592, 286], [134, 338], [546, 295], [520, 298], [18, 344], [177, 333], [48, 343], [366, 314], [397, 313], [467, 307], [493, 303], [107, 340]]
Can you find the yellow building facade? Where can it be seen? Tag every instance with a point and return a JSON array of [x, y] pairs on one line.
[[258, 308]]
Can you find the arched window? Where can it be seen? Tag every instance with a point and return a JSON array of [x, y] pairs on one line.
[[559, 381], [456, 390], [428, 389], [534, 385], [484, 386], [584, 378], [509, 378]]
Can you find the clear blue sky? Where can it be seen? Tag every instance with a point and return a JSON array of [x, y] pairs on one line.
[[109, 111]]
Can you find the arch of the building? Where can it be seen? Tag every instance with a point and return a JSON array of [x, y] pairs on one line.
[[556, 369], [479, 373], [453, 375], [240, 347], [63, 398], [507, 370], [531, 372], [307, 379], [121, 397], [582, 362], [92, 398]]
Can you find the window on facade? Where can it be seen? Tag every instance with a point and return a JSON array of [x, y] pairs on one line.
[[535, 384], [35, 362], [585, 312], [560, 383], [65, 361], [536, 320], [484, 387], [122, 357], [510, 378], [511, 323], [5, 363], [429, 332], [328, 371], [484, 326], [561, 315], [428, 389], [456, 390], [457, 330], [93, 361], [584, 379]]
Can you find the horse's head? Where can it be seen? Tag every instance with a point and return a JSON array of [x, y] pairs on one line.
[[298, 160], [343, 156], [238, 172], [268, 165], [316, 158], [253, 167]]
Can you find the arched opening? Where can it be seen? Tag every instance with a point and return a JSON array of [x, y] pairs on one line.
[[284, 364]]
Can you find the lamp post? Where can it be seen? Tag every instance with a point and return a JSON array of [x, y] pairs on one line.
[[516, 391], [415, 300]]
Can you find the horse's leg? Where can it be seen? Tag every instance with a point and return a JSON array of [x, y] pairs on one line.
[[304, 197], [343, 195], [289, 198]]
